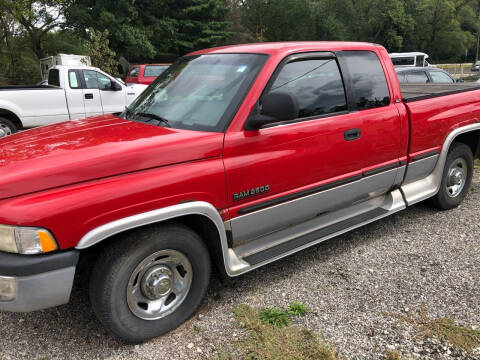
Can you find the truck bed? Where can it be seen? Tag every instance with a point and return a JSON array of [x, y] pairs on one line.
[[414, 92]]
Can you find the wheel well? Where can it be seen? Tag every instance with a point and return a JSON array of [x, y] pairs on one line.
[[471, 139], [202, 225], [12, 117]]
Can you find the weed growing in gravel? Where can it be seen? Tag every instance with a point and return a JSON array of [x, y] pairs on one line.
[[460, 337], [279, 317], [298, 309], [269, 342], [274, 316], [197, 328]]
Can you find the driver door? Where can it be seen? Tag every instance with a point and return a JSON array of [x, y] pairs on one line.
[[112, 100]]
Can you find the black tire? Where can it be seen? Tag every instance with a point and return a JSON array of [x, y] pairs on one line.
[[115, 265], [8, 126], [443, 200]]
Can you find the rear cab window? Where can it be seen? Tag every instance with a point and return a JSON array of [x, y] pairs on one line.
[[54, 77], [366, 83]]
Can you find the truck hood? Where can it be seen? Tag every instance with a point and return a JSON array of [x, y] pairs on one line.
[[93, 148]]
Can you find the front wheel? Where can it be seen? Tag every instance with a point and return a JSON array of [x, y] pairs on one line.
[[456, 178], [150, 281]]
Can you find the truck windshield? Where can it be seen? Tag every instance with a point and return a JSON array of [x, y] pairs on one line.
[[197, 92]]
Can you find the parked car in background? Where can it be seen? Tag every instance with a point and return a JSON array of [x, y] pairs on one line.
[[72, 92], [424, 75], [410, 59], [476, 66], [144, 74]]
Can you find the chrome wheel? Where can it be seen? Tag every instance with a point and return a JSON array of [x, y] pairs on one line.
[[5, 130], [456, 177], [159, 284]]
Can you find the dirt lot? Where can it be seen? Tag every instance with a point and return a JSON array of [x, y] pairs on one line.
[[418, 256]]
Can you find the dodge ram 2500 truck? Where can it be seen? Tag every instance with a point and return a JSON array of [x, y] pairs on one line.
[[236, 156], [73, 92]]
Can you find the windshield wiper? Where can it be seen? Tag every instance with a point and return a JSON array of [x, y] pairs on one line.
[[152, 116]]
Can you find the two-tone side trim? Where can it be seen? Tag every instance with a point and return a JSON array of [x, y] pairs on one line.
[[317, 189], [425, 155]]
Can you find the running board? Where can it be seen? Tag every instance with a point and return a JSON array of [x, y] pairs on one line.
[[315, 235], [285, 242]]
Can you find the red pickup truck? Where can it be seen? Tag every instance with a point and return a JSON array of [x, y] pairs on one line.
[[237, 156]]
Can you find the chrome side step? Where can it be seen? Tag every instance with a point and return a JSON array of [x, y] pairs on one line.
[[323, 227], [318, 234]]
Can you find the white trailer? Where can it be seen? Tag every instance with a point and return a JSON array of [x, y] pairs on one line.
[[62, 59]]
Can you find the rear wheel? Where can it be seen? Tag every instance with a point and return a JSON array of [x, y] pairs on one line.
[[150, 281], [7, 127], [456, 179]]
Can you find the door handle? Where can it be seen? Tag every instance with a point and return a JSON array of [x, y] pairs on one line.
[[352, 134], [89, 96]]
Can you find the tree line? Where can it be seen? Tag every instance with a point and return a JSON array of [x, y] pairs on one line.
[[144, 31]]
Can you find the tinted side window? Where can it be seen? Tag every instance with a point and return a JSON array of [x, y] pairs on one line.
[[91, 81], [154, 70], [134, 72], [403, 61], [419, 61], [317, 85], [440, 77], [367, 79], [104, 82], [417, 77], [54, 77]]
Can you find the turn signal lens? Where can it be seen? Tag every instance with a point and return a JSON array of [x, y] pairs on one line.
[[46, 241]]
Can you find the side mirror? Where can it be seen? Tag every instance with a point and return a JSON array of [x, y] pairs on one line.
[[276, 107], [460, 81], [116, 86]]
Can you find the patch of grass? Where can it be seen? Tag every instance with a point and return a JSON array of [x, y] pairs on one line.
[[476, 164], [274, 316], [446, 329], [298, 309], [270, 342]]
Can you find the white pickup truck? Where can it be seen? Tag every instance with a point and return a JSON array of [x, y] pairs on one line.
[[73, 92]]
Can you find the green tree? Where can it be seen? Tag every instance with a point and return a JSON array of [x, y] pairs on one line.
[[273, 20], [145, 29], [35, 19], [97, 47]]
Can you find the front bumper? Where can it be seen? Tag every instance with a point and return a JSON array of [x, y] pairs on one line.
[[38, 281]]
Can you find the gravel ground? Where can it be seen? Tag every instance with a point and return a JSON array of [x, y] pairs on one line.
[[394, 265]]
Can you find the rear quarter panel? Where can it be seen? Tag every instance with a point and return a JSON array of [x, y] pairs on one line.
[[431, 120]]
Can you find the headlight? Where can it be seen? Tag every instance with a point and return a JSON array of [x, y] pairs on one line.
[[26, 240]]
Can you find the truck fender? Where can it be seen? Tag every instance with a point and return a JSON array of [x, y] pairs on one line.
[[233, 265], [429, 186]]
